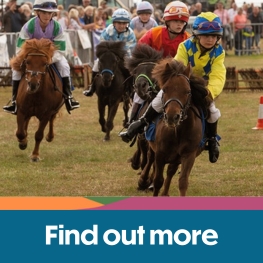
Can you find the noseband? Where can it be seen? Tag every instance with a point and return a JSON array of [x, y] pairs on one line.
[[106, 70], [152, 86], [184, 108]]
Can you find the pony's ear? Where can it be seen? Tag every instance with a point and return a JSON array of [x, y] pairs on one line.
[[167, 67], [188, 70]]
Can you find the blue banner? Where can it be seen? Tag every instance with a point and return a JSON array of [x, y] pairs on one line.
[[131, 236]]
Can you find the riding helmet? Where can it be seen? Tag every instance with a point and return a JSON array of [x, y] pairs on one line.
[[144, 8], [121, 15], [47, 6], [207, 23], [176, 10]]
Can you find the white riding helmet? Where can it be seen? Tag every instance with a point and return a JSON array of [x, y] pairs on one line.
[[176, 10], [144, 8], [43, 5]]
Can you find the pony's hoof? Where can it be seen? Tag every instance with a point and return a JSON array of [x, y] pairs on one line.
[[150, 187], [135, 166], [35, 159], [22, 146]]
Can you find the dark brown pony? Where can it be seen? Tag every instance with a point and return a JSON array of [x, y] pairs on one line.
[[39, 93], [140, 65], [180, 132], [109, 84]]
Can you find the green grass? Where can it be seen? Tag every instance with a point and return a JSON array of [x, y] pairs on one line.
[[79, 163]]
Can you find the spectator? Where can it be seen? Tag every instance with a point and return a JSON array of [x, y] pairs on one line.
[[198, 9], [81, 10], [240, 20], [13, 20], [106, 18], [158, 15], [256, 20], [74, 22], [222, 13], [143, 21], [248, 34], [62, 17], [103, 5], [86, 3]]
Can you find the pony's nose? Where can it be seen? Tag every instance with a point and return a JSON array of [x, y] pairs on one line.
[[173, 120]]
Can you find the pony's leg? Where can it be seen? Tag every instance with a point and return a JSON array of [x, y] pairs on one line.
[[144, 151], [171, 170], [145, 181], [101, 109], [21, 132], [38, 138], [136, 158], [109, 123], [158, 176], [50, 135], [186, 167], [126, 107]]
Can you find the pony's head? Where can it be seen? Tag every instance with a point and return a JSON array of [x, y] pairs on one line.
[[33, 60], [140, 65], [174, 79]]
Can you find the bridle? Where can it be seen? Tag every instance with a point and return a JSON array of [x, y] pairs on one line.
[[34, 74], [184, 108], [106, 70], [152, 85]]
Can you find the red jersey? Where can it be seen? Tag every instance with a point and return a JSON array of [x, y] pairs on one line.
[[158, 38]]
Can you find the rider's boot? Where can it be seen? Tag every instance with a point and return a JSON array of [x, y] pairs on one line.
[[138, 126], [92, 87], [12, 108], [70, 102], [213, 145], [134, 113]]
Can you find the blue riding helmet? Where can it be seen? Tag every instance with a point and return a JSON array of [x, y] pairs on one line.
[[207, 23], [121, 15]]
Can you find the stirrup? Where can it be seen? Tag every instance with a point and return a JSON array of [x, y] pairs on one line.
[[125, 137]]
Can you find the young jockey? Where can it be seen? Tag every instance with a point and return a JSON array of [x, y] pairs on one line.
[[119, 30], [206, 56], [143, 21], [166, 38], [43, 26]]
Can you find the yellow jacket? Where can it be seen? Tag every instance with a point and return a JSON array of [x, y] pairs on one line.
[[210, 66]]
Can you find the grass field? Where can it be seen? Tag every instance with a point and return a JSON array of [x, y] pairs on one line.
[[79, 163]]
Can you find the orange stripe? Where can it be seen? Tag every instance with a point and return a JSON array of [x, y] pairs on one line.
[[47, 203]]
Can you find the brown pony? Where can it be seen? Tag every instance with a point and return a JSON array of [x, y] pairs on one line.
[[179, 134], [39, 93]]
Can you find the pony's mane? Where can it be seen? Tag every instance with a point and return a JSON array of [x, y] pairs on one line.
[[166, 68], [169, 67], [39, 46], [142, 53], [116, 47]]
